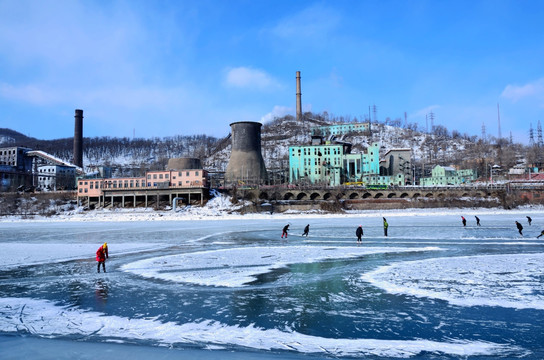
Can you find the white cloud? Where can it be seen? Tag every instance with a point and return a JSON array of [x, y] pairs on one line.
[[425, 111], [122, 97], [245, 77], [32, 94], [277, 111], [314, 22], [533, 89]]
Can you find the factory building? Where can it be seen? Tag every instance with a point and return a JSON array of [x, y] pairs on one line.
[[155, 187], [447, 175], [339, 129], [15, 168], [56, 177], [398, 161], [316, 164], [333, 164]]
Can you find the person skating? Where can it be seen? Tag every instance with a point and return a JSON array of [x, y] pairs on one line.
[[306, 230], [477, 220], [541, 234], [464, 221], [359, 233], [529, 220], [101, 256], [520, 228], [284, 231], [385, 226]]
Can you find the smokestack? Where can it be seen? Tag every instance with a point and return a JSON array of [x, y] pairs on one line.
[[246, 164], [78, 139], [299, 100]]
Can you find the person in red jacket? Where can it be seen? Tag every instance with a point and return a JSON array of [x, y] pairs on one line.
[[101, 256]]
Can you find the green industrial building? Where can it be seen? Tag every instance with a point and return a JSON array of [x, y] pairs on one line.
[[339, 129], [446, 175], [333, 164]]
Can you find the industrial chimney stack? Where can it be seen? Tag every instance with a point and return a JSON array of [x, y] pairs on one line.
[[299, 100], [78, 139], [246, 164]]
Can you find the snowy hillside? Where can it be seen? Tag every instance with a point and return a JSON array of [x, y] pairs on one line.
[[279, 135], [132, 157]]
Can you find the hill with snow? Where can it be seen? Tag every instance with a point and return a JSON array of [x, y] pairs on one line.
[[132, 157]]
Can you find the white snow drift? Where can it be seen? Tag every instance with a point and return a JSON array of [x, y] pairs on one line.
[[513, 281], [239, 266], [45, 318]]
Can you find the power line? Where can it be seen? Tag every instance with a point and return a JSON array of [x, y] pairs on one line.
[[499, 119], [539, 133]]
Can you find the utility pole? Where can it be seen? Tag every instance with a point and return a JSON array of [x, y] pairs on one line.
[[426, 123], [369, 123], [539, 133], [499, 119]]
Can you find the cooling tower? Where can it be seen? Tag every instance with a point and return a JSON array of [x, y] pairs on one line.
[[184, 164], [78, 138], [246, 164], [299, 98]]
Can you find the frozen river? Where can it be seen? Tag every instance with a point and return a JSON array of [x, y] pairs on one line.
[[231, 289]]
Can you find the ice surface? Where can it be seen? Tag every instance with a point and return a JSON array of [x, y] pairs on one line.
[[19, 254], [308, 297], [511, 280], [45, 318], [239, 266]]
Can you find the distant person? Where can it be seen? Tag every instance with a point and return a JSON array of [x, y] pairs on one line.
[[284, 232], [477, 220], [359, 233], [529, 220], [520, 228], [306, 230], [385, 226], [464, 221], [541, 234], [101, 256]]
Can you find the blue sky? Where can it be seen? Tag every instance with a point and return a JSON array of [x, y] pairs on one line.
[[161, 68]]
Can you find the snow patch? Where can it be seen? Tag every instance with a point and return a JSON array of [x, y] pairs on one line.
[[239, 266], [513, 281], [24, 254], [47, 319]]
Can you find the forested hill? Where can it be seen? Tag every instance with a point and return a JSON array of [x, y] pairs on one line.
[[131, 157]]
